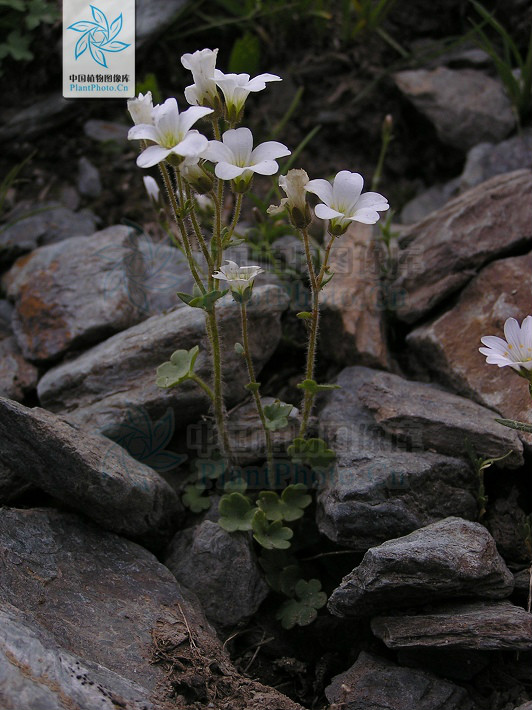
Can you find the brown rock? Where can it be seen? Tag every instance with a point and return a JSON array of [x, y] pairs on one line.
[[441, 253], [17, 376], [353, 304], [485, 626], [448, 346]]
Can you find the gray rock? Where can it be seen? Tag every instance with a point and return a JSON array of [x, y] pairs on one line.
[[229, 593], [38, 224], [466, 106], [17, 377], [373, 683], [430, 200], [486, 160], [98, 388], [89, 182], [110, 602], [440, 254], [446, 423], [6, 314], [448, 345], [154, 16], [485, 626], [36, 673], [291, 253], [88, 473], [42, 115], [72, 294], [449, 558], [383, 487], [455, 664], [12, 485], [522, 583], [103, 131], [525, 706], [506, 520]]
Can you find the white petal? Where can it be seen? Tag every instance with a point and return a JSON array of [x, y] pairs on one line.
[[240, 142], [189, 117], [495, 343], [512, 333], [152, 155], [526, 332], [322, 189], [373, 200], [346, 190], [193, 95], [265, 167], [217, 152], [365, 216], [324, 212], [227, 171], [143, 132], [166, 118], [258, 83], [271, 150], [194, 143]]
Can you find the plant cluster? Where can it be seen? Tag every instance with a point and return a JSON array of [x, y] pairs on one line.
[[18, 22]]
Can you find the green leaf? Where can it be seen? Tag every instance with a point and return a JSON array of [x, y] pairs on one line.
[[305, 315], [253, 386], [245, 55], [289, 506], [313, 387], [178, 369], [185, 297], [207, 300], [271, 535], [277, 415], [239, 349], [512, 424], [194, 499], [237, 485], [274, 563], [243, 297], [303, 609], [313, 453], [236, 512]]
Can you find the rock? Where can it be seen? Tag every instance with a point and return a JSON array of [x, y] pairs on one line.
[[6, 314], [448, 346], [352, 327], [72, 294], [17, 377], [506, 521], [88, 473], [103, 131], [373, 683], [291, 251], [455, 664], [429, 201], [110, 603], [525, 706], [229, 593], [11, 485], [246, 435], [35, 672], [452, 557], [43, 114], [485, 626], [486, 160], [522, 583], [383, 487], [440, 254], [447, 422], [97, 389], [89, 182], [154, 16], [466, 106], [38, 224]]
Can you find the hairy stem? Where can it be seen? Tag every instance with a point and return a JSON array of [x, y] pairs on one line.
[[218, 401], [204, 386], [199, 235]]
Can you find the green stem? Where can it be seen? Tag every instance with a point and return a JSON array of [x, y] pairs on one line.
[[236, 215], [199, 235], [204, 386], [218, 402], [182, 227], [315, 285], [253, 381]]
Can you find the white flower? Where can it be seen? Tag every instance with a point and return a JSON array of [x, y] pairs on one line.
[[236, 159], [171, 131], [294, 183], [238, 277], [344, 202], [515, 351], [236, 88], [151, 188], [141, 108], [201, 63]]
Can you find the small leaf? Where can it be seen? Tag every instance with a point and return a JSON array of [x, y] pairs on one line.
[[236, 512], [270, 535], [236, 485], [295, 499], [185, 297], [239, 349], [303, 609], [512, 424], [305, 315], [313, 387], [194, 500], [253, 386], [207, 300], [178, 369], [277, 415], [270, 503], [313, 453]]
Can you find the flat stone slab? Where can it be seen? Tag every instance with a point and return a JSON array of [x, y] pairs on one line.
[[373, 683], [73, 294], [99, 388], [485, 626], [384, 486], [440, 254], [450, 558], [448, 345], [108, 601], [87, 472]]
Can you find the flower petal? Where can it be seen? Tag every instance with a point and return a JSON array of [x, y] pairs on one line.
[[189, 117], [240, 142], [512, 333], [194, 143], [265, 167], [152, 155], [321, 188], [372, 200], [217, 152], [365, 216], [346, 190], [143, 132], [526, 332], [258, 83], [325, 212], [227, 171], [495, 343], [271, 150]]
